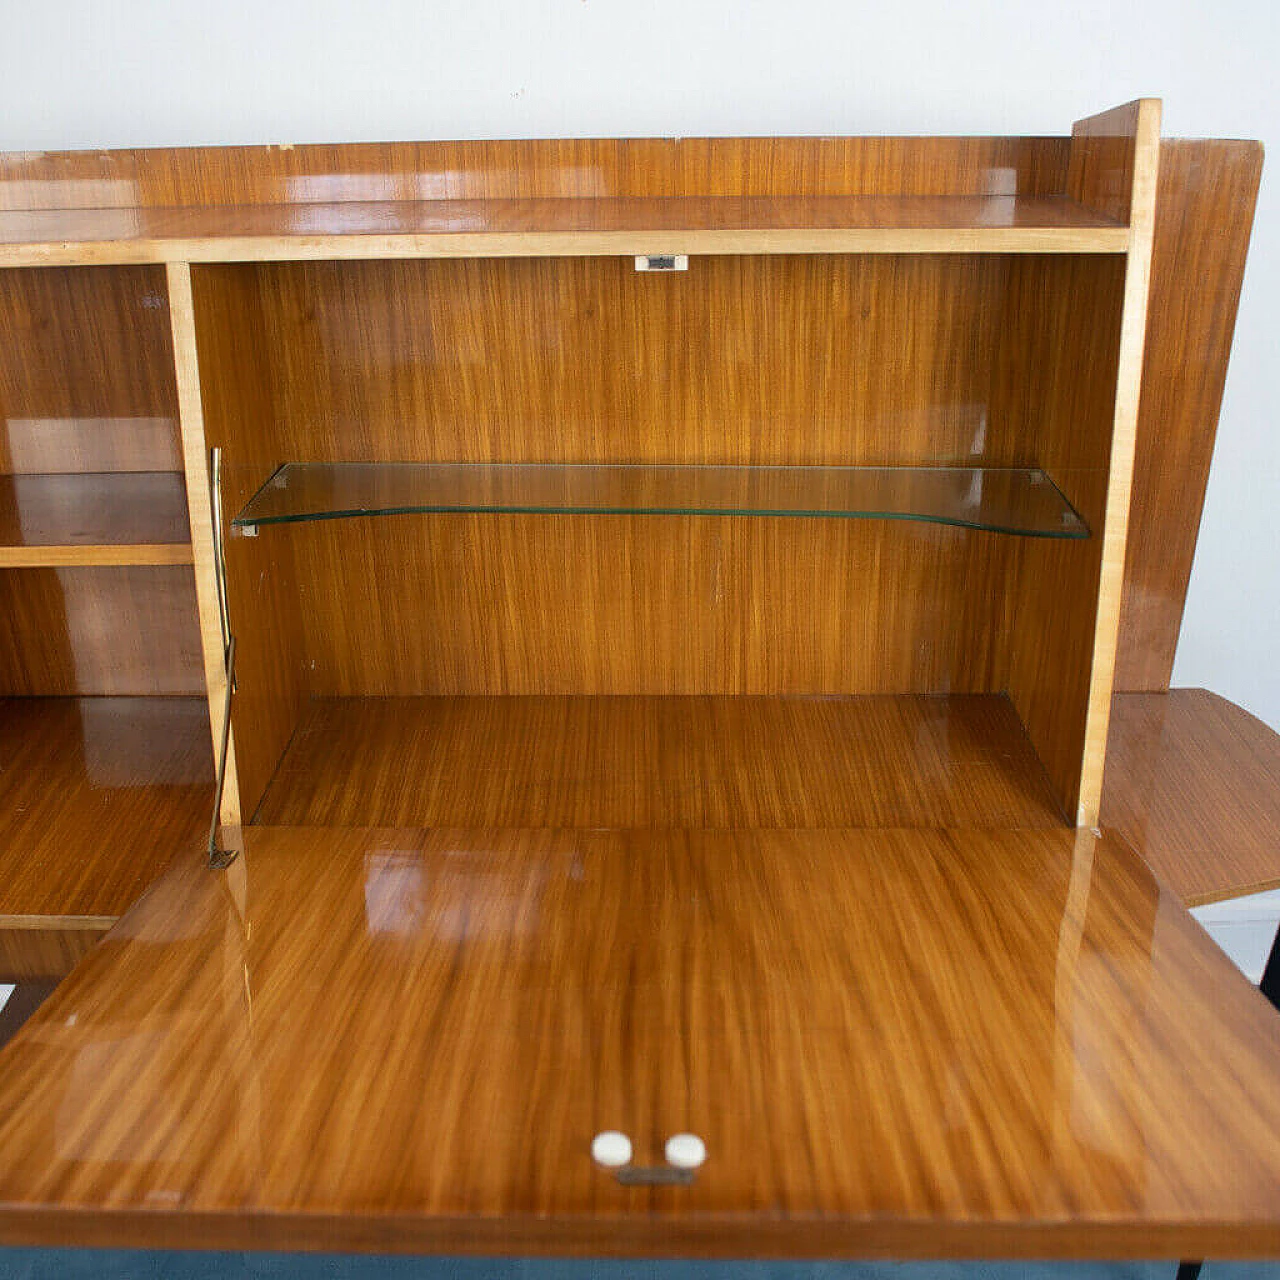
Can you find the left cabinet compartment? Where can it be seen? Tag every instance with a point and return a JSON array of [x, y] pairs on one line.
[[105, 755]]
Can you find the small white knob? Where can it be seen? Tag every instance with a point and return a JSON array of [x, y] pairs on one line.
[[611, 1149], [685, 1150]]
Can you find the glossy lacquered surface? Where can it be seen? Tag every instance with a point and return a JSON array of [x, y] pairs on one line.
[[95, 595], [907, 1042], [134, 517], [660, 762], [501, 228], [1193, 783], [1204, 214], [498, 169], [98, 630], [1011, 500], [587, 360], [96, 795], [47, 948]]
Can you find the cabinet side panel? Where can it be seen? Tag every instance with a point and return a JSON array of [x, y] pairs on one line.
[[262, 597], [1104, 161], [1084, 335], [1204, 214], [1139, 127], [1056, 381]]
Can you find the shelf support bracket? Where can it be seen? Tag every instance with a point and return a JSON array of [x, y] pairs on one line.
[[218, 856], [219, 545]]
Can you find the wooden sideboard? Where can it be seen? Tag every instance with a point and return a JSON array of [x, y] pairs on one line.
[[665, 700]]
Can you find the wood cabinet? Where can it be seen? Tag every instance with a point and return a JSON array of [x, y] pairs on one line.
[[669, 697]]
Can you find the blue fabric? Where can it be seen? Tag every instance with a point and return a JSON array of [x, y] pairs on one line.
[[137, 1264]]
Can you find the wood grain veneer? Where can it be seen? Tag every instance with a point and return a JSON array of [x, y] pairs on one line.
[[660, 762], [1204, 213], [746, 360], [532, 169], [1056, 373], [1072, 361], [581, 360], [86, 372], [1026, 1031], [214, 629], [635, 604], [98, 630], [566, 228], [96, 795], [109, 554], [586, 360], [1119, 162], [228, 405], [97, 518], [1193, 784], [129, 201], [44, 948], [87, 386]]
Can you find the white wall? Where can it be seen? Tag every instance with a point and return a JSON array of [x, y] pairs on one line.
[[169, 72]]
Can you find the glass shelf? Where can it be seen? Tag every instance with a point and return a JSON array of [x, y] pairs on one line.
[[1005, 500]]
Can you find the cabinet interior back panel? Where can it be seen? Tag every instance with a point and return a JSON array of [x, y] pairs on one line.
[[836, 360], [875, 359]]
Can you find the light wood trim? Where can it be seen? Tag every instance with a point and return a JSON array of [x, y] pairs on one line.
[[195, 463], [568, 244], [100, 923], [1143, 120], [112, 553]]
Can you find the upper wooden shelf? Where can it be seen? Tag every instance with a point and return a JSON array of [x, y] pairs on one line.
[[99, 518], [558, 227]]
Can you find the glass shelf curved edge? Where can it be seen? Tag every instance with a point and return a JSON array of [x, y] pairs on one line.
[[1021, 501]]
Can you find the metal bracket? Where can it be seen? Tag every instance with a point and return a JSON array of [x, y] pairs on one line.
[[219, 548], [219, 857], [654, 1175], [662, 262]]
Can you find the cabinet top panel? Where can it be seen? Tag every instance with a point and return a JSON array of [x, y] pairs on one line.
[[548, 197], [910, 1042], [571, 227]]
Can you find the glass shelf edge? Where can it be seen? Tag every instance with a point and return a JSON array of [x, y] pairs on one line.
[[1073, 528]]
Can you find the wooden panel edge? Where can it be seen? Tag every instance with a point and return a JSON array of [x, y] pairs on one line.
[[200, 512], [639, 1235], [1133, 332], [1031, 240], [101, 555]]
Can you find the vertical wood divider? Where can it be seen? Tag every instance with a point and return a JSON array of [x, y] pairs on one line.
[[195, 462], [1091, 166]]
